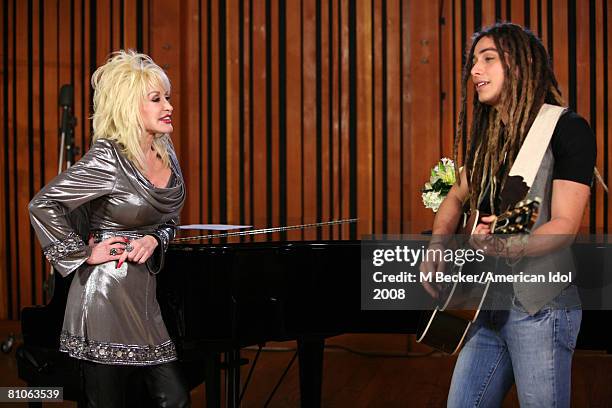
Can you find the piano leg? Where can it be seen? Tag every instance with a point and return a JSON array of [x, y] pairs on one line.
[[231, 364], [213, 381], [310, 353], [232, 378]]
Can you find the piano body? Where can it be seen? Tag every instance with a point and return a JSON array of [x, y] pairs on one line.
[[218, 298]]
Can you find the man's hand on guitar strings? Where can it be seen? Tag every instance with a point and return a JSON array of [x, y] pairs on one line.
[[433, 265]]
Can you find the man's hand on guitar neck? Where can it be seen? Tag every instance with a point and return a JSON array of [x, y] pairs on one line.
[[509, 246], [484, 225], [481, 238]]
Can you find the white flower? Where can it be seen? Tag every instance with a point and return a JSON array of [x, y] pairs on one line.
[[441, 179], [447, 162], [432, 199]]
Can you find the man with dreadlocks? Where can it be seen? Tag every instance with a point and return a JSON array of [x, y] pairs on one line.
[[532, 341]]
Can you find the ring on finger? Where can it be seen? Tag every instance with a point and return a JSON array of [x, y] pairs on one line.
[[113, 252], [129, 248]]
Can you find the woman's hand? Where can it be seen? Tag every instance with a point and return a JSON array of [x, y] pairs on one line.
[[110, 249], [138, 250]]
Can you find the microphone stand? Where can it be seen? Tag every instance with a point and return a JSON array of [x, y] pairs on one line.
[[66, 102], [67, 127], [66, 143]]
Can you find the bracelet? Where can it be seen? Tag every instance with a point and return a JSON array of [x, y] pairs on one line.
[[511, 260]]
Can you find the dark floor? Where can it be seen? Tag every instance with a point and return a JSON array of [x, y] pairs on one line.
[[354, 380]]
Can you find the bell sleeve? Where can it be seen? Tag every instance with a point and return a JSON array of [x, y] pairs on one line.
[[55, 208]]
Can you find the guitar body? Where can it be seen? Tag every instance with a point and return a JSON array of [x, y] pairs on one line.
[[444, 331], [446, 327]]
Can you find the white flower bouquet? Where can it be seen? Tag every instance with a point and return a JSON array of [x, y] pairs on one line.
[[440, 182]]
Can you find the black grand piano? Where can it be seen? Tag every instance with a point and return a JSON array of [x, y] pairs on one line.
[[218, 298]]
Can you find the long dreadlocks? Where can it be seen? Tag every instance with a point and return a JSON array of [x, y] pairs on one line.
[[529, 82]]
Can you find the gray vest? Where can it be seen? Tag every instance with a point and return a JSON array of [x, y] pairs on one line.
[[535, 296]]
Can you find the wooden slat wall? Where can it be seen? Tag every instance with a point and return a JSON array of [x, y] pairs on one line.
[[287, 112], [45, 44], [291, 112]]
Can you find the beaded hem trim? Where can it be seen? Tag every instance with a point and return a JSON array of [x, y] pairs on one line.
[[58, 250], [115, 353]]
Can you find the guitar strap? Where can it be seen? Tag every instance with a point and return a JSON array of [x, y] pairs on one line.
[[527, 162]]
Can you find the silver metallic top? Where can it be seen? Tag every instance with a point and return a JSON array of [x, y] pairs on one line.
[[112, 315]]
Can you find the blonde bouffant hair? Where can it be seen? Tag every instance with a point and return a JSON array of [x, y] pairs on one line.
[[120, 88]]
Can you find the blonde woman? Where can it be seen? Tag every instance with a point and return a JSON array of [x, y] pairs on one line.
[[109, 219]]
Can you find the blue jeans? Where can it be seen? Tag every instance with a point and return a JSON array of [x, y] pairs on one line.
[[507, 346]]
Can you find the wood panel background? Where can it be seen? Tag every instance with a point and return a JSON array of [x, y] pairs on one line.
[[286, 112]]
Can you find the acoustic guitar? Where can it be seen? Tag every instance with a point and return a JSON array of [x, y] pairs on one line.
[[459, 304]]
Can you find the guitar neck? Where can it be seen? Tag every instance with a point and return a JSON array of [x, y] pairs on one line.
[[518, 220]]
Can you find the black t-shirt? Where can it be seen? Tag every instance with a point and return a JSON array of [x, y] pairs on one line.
[[574, 148]]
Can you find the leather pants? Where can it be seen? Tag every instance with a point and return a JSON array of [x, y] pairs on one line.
[[109, 386]]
